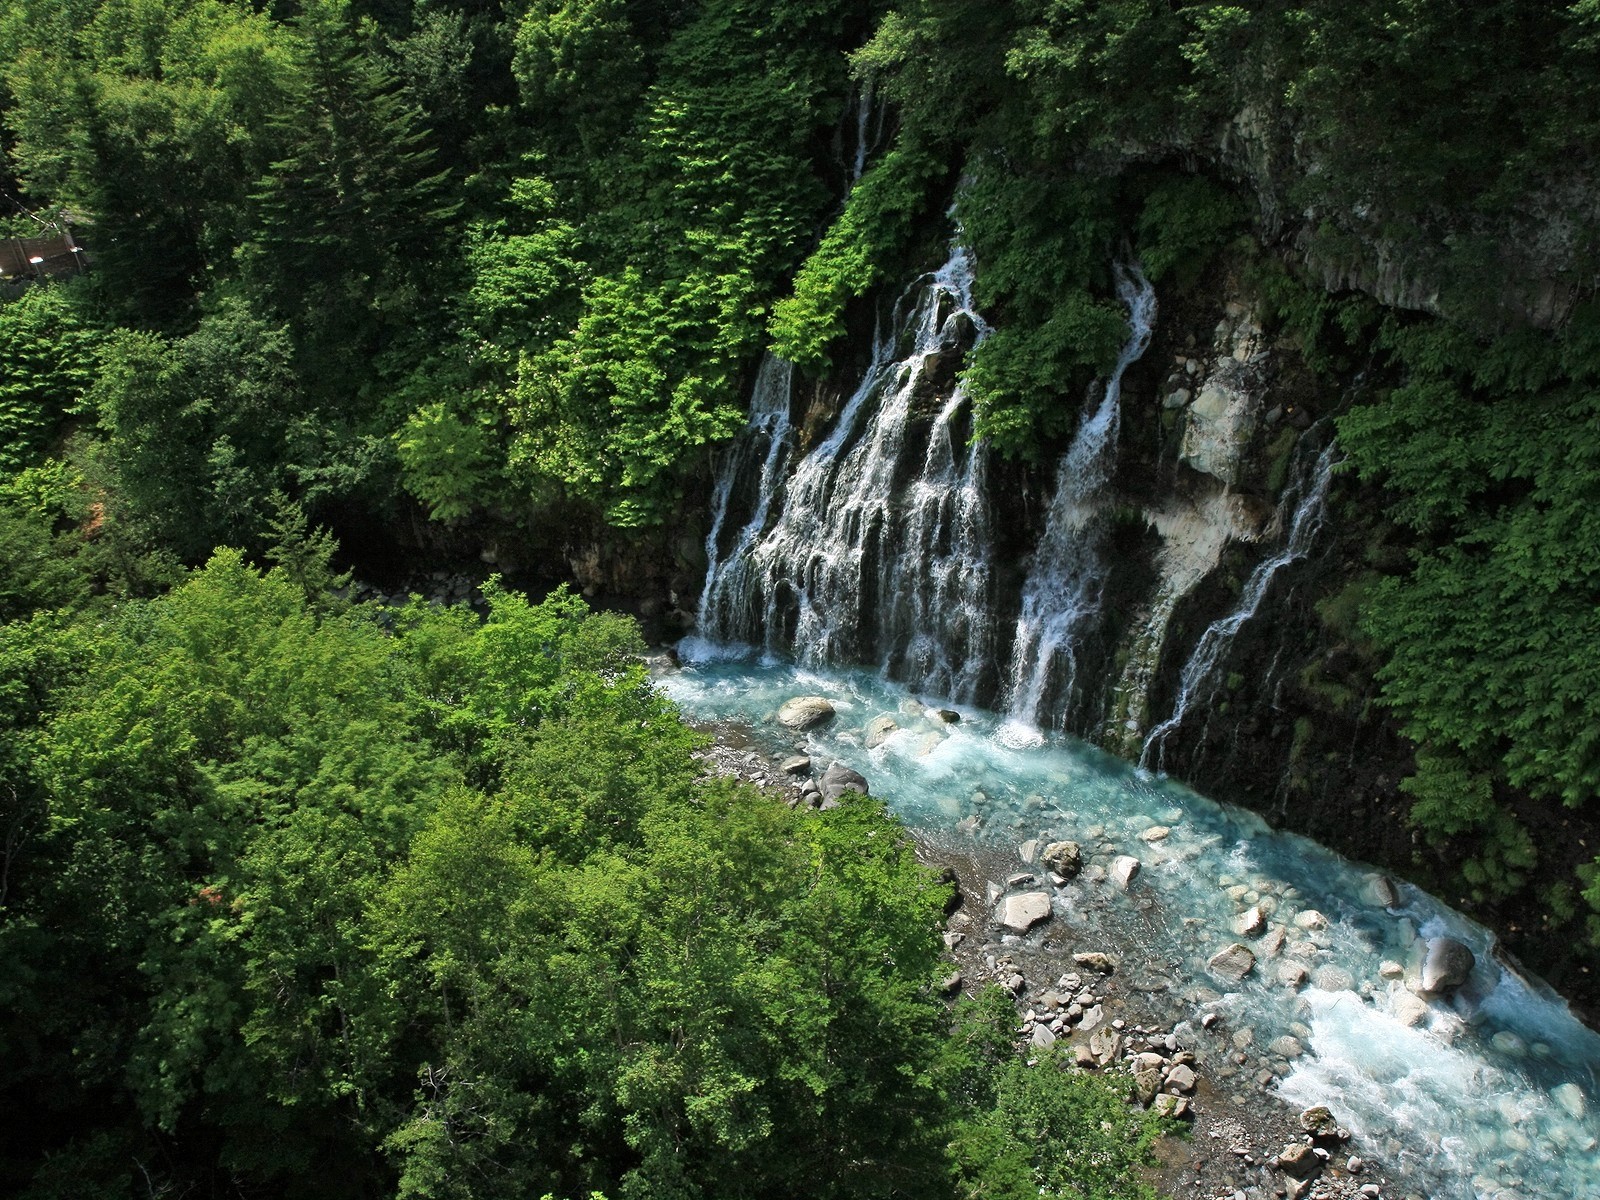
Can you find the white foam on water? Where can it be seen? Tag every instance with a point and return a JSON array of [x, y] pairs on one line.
[[1464, 1103]]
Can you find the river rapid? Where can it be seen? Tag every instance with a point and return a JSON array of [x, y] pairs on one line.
[[1492, 1093]]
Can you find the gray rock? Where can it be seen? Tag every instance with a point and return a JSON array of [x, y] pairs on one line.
[[1181, 1077], [799, 764], [1299, 1161], [1021, 879], [1232, 963], [1292, 974], [1105, 1043], [1094, 960], [1147, 1077], [945, 716], [1155, 833], [1064, 858], [1310, 919], [1094, 1017], [880, 729], [1177, 1107], [1271, 945], [1249, 923], [1084, 1057], [1022, 912], [1123, 870], [805, 712], [1286, 1047], [1409, 1009], [969, 825], [1447, 965], [839, 779], [1029, 850], [951, 983], [1042, 1037]]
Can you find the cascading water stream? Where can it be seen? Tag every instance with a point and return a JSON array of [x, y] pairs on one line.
[[859, 562], [1307, 500], [1062, 593], [863, 118], [937, 625], [766, 439]]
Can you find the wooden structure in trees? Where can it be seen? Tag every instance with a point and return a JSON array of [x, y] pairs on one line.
[[56, 256]]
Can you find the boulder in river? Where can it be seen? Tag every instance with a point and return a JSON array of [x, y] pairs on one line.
[[1022, 912], [1324, 1129], [1447, 965], [1123, 870], [1064, 858], [1380, 890], [805, 712], [1232, 963], [880, 729], [839, 779], [1094, 960], [797, 764], [1249, 923], [1570, 1097], [1409, 1009]]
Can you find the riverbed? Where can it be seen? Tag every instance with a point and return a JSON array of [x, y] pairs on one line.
[[1488, 1092]]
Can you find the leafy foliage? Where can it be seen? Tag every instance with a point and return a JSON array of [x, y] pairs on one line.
[[49, 353]]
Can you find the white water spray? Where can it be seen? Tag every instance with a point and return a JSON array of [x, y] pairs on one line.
[[1309, 502], [1063, 590]]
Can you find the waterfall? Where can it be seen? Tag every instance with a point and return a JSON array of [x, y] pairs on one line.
[[1193, 535], [1306, 498], [765, 440], [877, 551], [863, 117], [1063, 589], [937, 626]]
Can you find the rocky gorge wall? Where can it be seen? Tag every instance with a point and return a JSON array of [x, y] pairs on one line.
[[1205, 620]]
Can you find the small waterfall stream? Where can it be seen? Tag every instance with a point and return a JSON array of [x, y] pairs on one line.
[[872, 556], [1306, 500], [1062, 594], [864, 97], [766, 441]]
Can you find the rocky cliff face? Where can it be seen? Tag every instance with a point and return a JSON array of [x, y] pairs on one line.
[[1183, 592]]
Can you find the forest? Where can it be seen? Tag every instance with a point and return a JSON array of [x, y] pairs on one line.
[[300, 896]]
